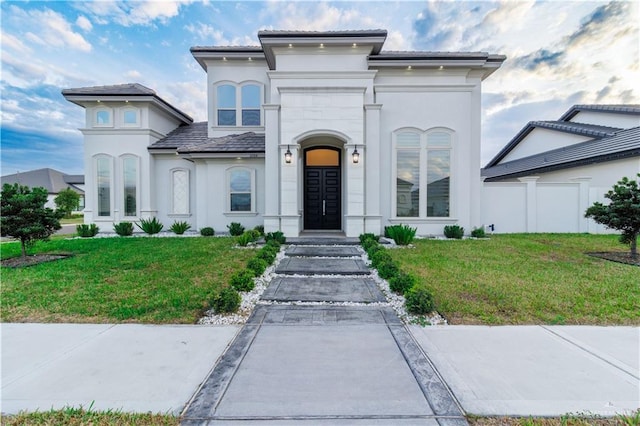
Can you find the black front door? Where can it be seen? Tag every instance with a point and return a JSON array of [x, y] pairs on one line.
[[322, 198]]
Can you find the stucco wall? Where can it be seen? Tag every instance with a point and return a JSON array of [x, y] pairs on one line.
[[623, 121], [541, 140]]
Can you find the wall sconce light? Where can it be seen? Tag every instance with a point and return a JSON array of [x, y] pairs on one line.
[[355, 156], [287, 156]]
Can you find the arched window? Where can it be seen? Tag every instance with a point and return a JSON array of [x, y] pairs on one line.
[[241, 189], [238, 104], [130, 170], [422, 173], [180, 192], [104, 184]]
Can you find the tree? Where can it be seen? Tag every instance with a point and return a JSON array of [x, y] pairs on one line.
[[622, 213], [24, 215], [67, 201]]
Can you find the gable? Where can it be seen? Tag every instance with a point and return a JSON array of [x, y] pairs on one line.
[[623, 121], [540, 140]]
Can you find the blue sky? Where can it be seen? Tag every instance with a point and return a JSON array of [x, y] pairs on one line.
[[559, 53]]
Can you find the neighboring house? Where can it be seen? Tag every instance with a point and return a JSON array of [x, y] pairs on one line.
[[545, 178], [52, 180], [308, 131]]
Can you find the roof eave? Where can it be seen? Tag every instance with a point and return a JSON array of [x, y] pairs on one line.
[[220, 154], [202, 54]]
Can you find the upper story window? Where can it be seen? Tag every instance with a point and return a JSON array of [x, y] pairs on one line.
[[423, 173], [131, 117], [103, 117], [238, 104]]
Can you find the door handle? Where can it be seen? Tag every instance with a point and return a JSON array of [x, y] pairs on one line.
[[324, 207]]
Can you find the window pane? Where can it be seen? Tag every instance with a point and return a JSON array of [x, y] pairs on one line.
[[130, 167], [408, 140], [103, 166], [408, 183], [438, 182], [180, 192], [323, 157], [240, 202], [439, 139], [130, 117], [226, 96], [226, 117], [250, 117], [251, 97], [240, 181], [103, 117]]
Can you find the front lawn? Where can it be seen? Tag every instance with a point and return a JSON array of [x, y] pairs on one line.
[[145, 280], [526, 279]]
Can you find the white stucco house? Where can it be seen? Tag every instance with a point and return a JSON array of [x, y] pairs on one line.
[[545, 178], [308, 131]]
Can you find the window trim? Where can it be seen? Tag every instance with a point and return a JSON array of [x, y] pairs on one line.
[[123, 192], [424, 157], [238, 106], [188, 192], [95, 117], [96, 200], [252, 176]]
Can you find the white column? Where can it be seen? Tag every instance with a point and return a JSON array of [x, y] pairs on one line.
[[272, 168], [355, 190], [532, 203], [475, 181], [289, 208], [201, 195], [583, 202], [373, 218]]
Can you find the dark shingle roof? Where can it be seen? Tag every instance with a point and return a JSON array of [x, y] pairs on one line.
[[193, 139], [322, 34], [590, 130], [616, 109], [623, 144], [131, 90], [52, 180]]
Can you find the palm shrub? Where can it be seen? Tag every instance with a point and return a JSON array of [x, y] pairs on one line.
[[179, 227], [207, 231], [124, 229], [150, 226], [235, 229], [227, 301], [454, 231], [478, 232], [401, 234], [277, 235], [419, 301], [401, 282], [257, 265], [242, 280], [246, 238], [387, 269], [87, 231]]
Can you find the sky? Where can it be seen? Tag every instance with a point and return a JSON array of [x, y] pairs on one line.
[[559, 53]]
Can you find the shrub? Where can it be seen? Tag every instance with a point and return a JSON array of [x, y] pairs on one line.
[[368, 236], [374, 249], [366, 244], [268, 254], [478, 232], [86, 231], [207, 231], [380, 257], [179, 227], [257, 265], [150, 226], [235, 229], [273, 243], [124, 229], [401, 234], [277, 235], [453, 231], [387, 269], [260, 229], [419, 301], [386, 232], [243, 280], [244, 239], [227, 301], [255, 234], [401, 283]]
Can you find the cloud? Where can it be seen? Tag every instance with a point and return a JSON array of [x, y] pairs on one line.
[[598, 22], [539, 58], [133, 74], [84, 23], [131, 13]]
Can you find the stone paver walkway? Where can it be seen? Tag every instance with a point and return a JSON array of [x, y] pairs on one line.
[[324, 363]]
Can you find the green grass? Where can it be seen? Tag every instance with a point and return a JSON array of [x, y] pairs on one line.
[[145, 280], [579, 419], [81, 417], [526, 279]]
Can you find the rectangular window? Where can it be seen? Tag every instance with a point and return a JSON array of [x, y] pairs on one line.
[[226, 104], [103, 118], [240, 190], [250, 105], [438, 182], [408, 183], [130, 118], [130, 169], [103, 172]]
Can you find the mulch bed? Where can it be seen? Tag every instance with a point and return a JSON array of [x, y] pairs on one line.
[[617, 256], [21, 262]]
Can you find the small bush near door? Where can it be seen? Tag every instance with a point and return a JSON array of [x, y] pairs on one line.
[[402, 234], [275, 236], [87, 231], [478, 232], [124, 229], [207, 231], [235, 229], [454, 231], [179, 228], [150, 226]]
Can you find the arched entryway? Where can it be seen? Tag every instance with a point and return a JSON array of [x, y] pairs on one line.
[[322, 188]]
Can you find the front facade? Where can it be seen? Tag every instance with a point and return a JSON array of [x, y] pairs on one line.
[[311, 131]]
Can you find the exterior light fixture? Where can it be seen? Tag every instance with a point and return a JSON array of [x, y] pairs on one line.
[[409, 68], [287, 156], [441, 67], [321, 45], [355, 156]]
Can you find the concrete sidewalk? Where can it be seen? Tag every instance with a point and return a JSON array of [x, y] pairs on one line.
[[537, 370], [135, 368]]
